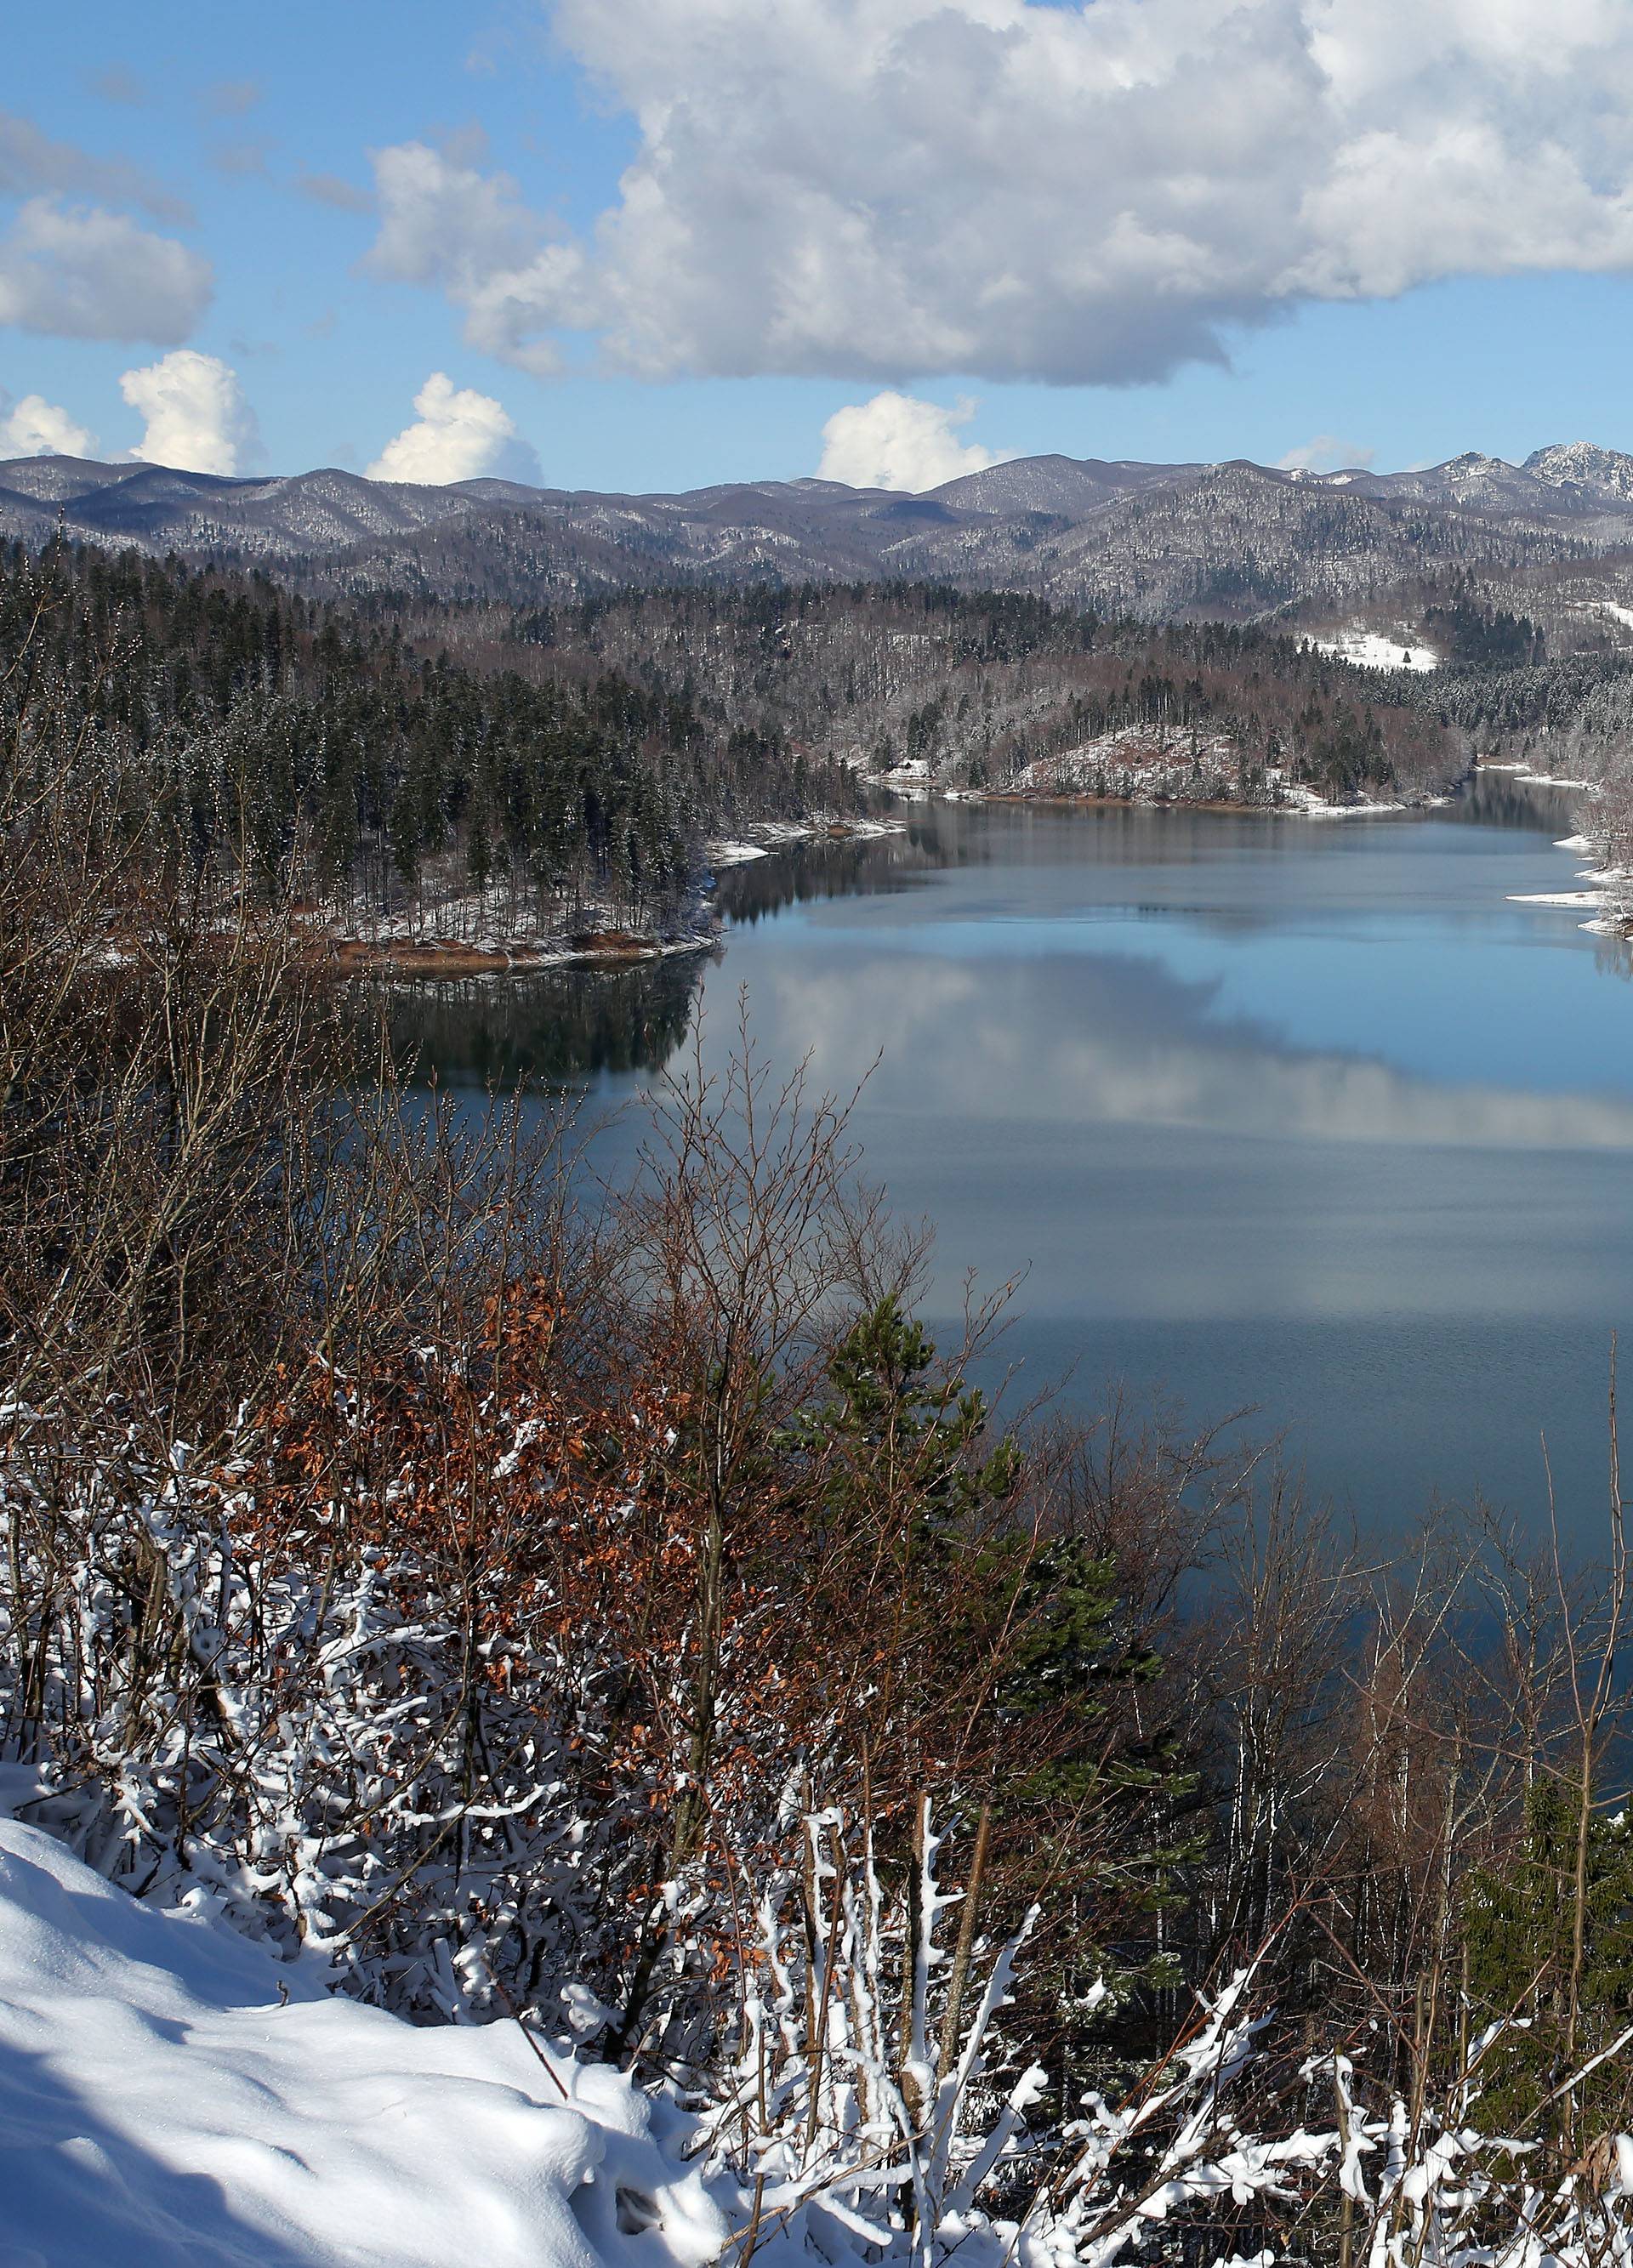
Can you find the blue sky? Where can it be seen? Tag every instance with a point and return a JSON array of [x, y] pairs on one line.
[[230, 109]]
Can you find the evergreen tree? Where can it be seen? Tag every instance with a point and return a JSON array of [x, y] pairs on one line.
[[1517, 1934], [1014, 1675]]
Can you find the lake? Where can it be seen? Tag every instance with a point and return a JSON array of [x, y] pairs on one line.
[[1300, 1115]]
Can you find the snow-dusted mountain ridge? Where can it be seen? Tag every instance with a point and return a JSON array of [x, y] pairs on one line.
[[1237, 539]]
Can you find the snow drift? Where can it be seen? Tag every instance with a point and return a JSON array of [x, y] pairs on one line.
[[172, 2093]]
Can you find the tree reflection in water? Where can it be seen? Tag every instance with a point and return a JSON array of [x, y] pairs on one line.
[[557, 1025], [564, 1026], [803, 872]]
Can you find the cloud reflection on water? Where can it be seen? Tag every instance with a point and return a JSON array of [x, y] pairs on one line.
[[1115, 1040]]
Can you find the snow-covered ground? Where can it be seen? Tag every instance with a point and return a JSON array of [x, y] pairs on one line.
[[1527, 778], [1371, 650], [171, 2096], [1313, 806], [470, 924], [1606, 896], [1140, 765], [775, 834]]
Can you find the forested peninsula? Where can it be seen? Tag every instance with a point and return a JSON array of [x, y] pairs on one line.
[[482, 786]]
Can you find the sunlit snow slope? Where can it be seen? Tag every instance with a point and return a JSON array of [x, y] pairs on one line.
[[160, 2108]]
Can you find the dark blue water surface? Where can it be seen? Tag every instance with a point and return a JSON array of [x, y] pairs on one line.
[[1302, 1115]]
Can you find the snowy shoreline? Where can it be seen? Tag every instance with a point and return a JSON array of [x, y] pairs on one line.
[[431, 949], [1601, 881], [1302, 802], [1526, 777], [1147, 779]]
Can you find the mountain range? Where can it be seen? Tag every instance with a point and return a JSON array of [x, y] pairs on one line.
[[1552, 537]]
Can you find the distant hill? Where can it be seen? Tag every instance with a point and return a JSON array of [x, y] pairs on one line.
[[1551, 539]]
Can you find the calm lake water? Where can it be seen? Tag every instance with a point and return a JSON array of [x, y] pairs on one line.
[[1303, 1115]]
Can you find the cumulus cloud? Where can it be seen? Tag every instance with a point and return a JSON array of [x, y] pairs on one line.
[[88, 274], [444, 223], [197, 416], [459, 435], [76, 270], [896, 441], [1327, 453], [35, 427], [1072, 192]]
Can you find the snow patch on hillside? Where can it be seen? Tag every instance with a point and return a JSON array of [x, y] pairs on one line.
[[1371, 650], [172, 2096], [1142, 762]]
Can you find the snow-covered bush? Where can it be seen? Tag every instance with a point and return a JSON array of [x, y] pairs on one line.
[[343, 1750], [322, 1674], [866, 2119]]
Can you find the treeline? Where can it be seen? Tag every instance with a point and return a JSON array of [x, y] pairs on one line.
[[377, 772], [1576, 700], [1571, 718], [501, 778], [1470, 635]]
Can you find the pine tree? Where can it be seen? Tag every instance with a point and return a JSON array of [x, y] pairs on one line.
[[1517, 1931], [1011, 1686]]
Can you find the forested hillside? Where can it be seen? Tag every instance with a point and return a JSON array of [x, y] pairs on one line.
[[1233, 541], [519, 778], [975, 690], [376, 773]]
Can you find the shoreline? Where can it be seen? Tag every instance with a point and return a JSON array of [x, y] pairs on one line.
[[1601, 879], [1526, 777], [610, 948], [451, 957], [1302, 803], [594, 945]]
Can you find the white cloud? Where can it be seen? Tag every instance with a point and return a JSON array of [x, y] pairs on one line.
[[1327, 453], [87, 274], [197, 418], [1073, 192], [896, 441], [459, 435], [469, 233], [35, 427]]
